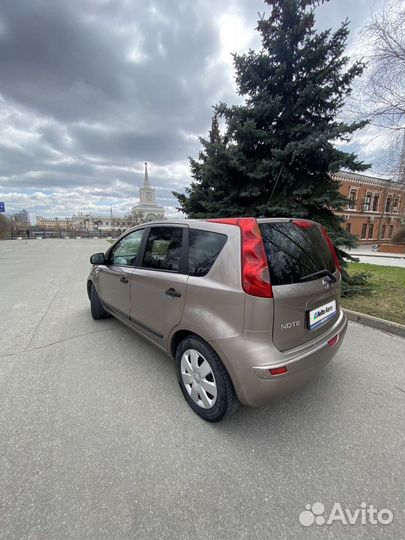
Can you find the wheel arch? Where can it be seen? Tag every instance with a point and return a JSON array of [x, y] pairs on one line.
[[231, 395], [177, 337], [181, 334], [89, 285]]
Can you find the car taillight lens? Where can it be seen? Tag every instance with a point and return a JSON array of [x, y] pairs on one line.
[[255, 270], [332, 249], [333, 341], [278, 370], [303, 223]]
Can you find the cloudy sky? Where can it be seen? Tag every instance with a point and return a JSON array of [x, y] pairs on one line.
[[90, 89]]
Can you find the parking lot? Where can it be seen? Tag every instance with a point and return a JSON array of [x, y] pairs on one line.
[[97, 442]]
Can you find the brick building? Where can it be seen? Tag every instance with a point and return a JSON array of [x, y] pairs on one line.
[[376, 206]]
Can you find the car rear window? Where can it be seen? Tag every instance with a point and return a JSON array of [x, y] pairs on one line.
[[294, 253], [203, 250]]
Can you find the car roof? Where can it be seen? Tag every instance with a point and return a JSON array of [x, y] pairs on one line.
[[201, 223], [212, 220]]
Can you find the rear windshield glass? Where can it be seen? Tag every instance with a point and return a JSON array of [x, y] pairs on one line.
[[295, 253]]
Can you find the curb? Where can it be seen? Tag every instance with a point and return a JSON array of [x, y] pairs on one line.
[[381, 255], [374, 322]]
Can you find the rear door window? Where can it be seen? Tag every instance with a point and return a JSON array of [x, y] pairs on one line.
[[163, 249], [203, 250], [295, 254]]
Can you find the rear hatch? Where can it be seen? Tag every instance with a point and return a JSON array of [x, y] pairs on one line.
[[304, 278]]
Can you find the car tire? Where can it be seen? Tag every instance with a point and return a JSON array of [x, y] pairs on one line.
[[204, 381], [96, 307]]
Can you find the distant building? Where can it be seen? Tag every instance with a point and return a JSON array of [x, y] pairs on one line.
[[147, 209], [22, 218], [91, 222], [375, 210], [54, 224]]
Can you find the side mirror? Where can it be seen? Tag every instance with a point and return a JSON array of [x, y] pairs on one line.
[[97, 258]]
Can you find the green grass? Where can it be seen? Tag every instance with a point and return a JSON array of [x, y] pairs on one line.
[[387, 292]]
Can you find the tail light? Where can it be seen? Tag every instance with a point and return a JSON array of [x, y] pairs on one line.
[[255, 270], [278, 370], [303, 223], [332, 249], [333, 341]]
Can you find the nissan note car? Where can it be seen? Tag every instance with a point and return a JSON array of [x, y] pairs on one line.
[[248, 308]]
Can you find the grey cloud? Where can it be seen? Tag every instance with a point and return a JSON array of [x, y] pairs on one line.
[[16, 161], [54, 62], [130, 145], [66, 64], [55, 136], [89, 90]]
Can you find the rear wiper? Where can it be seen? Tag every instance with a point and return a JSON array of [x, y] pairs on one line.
[[319, 274]]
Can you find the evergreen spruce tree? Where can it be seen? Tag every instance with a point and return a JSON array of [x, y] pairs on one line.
[[278, 149]]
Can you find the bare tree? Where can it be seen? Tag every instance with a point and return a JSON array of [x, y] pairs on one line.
[[380, 97], [401, 170], [4, 227], [385, 91]]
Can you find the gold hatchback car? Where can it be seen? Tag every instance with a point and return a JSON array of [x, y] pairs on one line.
[[248, 308]]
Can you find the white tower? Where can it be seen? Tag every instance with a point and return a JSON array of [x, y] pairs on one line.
[[147, 192], [147, 209]]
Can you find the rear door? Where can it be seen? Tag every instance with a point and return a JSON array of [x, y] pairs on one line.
[[158, 293], [304, 278]]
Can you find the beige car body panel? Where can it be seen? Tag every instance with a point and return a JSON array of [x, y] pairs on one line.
[[215, 302], [244, 330]]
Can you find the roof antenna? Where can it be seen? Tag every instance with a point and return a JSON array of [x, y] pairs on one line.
[[273, 190]]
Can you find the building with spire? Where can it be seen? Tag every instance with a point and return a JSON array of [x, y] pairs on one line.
[[147, 209]]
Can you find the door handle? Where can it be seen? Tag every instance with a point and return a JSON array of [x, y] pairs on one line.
[[124, 280], [173, 293]]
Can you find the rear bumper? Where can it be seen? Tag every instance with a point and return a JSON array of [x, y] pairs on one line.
[[249, 357]]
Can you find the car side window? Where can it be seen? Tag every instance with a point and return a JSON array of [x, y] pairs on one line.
[[124, 253], [203, 250], [163, 249]]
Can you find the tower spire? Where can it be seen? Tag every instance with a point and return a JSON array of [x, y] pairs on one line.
[[146, 179]]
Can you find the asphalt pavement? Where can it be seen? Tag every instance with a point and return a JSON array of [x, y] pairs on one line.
[[97, 442]]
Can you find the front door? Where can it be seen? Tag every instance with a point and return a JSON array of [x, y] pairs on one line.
[[115, 277], [159, 290]]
